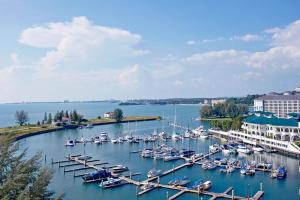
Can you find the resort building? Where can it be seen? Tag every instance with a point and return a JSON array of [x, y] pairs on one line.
[[267, 130], [217, 101], [279, 104]]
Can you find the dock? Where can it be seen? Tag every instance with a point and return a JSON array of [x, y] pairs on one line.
[[227, 194]]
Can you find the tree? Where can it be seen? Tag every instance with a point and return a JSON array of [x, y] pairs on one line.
[[75, 116], [49, 121], [118, 114], [22, 177], [21, 117], [45, 118], [67, 114], [206, 111], [38, 123], [232, 110]]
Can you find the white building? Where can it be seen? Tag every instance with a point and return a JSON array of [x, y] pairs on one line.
[[265, 129], [279, 104], [108, 115]]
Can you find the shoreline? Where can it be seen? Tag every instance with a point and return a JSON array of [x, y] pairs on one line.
[[29, 131]]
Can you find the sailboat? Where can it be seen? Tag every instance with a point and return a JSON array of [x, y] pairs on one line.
[[175, 137]]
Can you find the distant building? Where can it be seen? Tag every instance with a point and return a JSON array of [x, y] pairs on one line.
[[279, 104], [108, 115], [217, 101]]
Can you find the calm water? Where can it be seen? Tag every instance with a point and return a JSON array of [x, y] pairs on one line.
[[52, 145]]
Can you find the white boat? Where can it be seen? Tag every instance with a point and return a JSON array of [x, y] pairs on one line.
[[258, 149], [114, 141], [103, 137], [171, 158], [243, 149], [176, 137], [82, 140], [70, 143], [154, 173], [214, 148], [207, 185], [163, 135], [119, 169], [203, 136], [111, 182], [97, 140], [147, 153]]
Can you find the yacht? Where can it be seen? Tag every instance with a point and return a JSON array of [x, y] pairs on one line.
[[103, 137], [114, 141], [147, 186], [281, 173], [171, 157], [97, 140], [111, 182], [119, 169], [207, 185], [69, 143], [214, 148], [154, 173], [243, 149], [163, 135], [147, 153]]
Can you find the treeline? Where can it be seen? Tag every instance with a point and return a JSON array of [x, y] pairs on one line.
[[227, 124], [59, 115], [248, 100], [222, 110]]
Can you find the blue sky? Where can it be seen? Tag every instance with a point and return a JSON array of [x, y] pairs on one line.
[[89, 50]]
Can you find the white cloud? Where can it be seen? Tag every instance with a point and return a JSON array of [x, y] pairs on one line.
[[287, 36], [191, 42], [213, 40], [81, 42], [247, 38]]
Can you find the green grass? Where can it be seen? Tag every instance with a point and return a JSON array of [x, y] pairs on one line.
[[15, 131]]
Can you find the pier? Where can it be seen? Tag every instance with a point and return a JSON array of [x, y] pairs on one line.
[[227, 194]]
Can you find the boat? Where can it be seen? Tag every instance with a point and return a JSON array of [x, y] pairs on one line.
[[104, 137], [70, 143], [257, 149], [82, 140], [264, 166], [114, 141], [214, 148], [147, 153], [163, 135], [111, 182], [176, 137], [179, 181], [99, 175], [97, 140], [207, 185], [119, 169], [243, 149], [171, 157], [203, 135], [281, 173], [154, 173]]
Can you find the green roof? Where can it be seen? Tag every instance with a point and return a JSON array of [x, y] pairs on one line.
[[253, 119], [294, 114]]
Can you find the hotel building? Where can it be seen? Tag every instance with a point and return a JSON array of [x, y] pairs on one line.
[[279, 104]]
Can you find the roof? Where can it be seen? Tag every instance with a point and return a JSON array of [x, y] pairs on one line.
[[294, 114], [263, 120], [279, 97]]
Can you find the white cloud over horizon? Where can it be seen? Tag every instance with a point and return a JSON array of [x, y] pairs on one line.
[[84, 60]]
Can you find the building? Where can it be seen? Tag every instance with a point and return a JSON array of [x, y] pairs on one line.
[[217, 101], [108, 115], [265, 129], [279, 104]]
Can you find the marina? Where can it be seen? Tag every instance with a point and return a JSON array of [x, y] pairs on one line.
[[129, 154]]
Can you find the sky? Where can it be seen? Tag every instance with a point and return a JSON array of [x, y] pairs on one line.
[[54, 50]]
